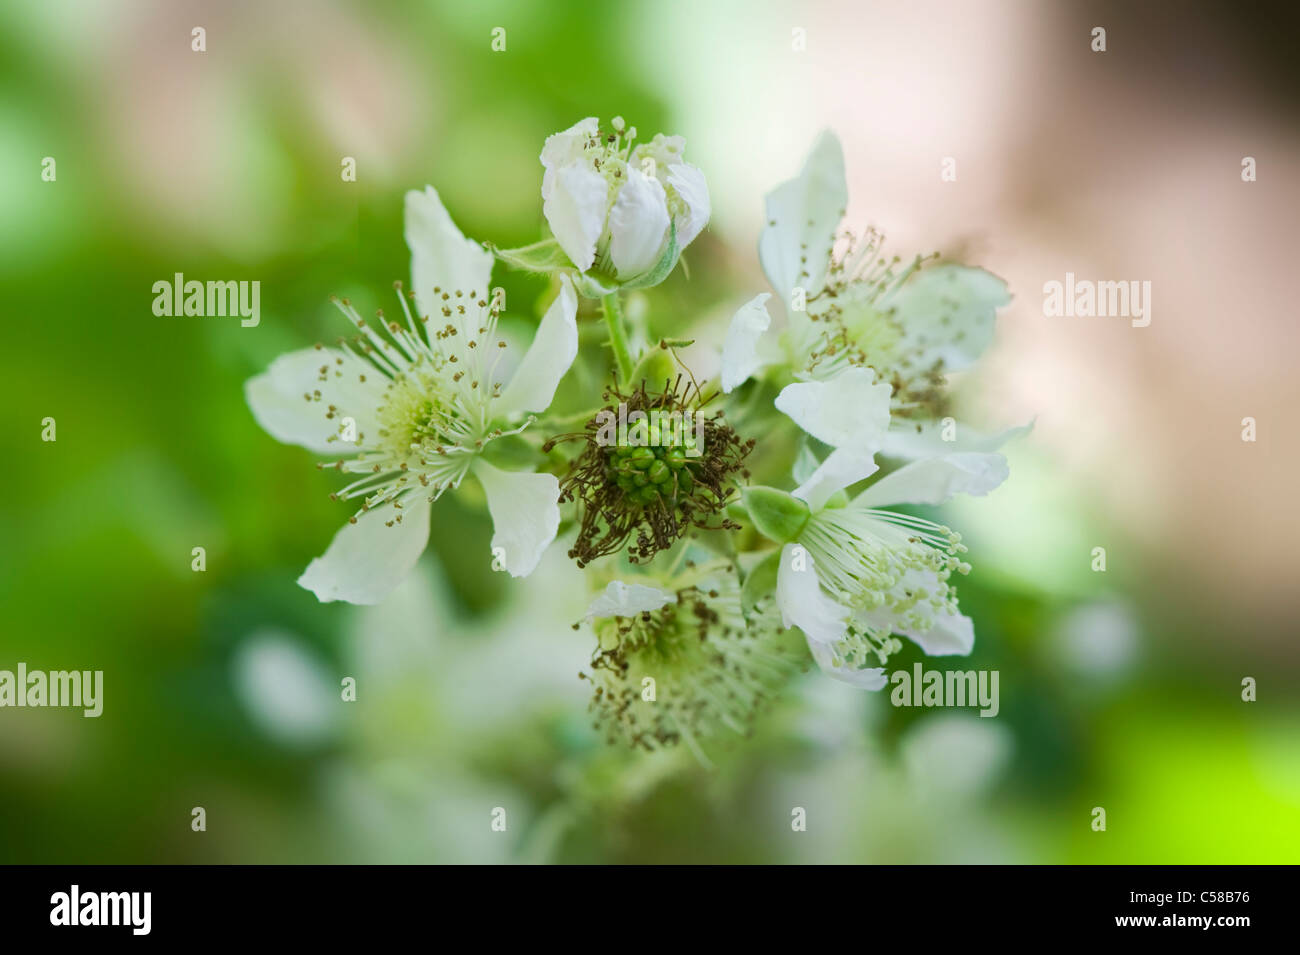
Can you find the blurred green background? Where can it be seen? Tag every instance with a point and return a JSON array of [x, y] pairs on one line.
[[1119, 689]]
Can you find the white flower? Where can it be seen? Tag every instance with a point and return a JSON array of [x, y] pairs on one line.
[[712, 665], [410, 412], [851, 573], [848, 306], [621, 213]]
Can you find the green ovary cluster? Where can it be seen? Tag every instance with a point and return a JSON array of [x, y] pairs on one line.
[[650, 474]]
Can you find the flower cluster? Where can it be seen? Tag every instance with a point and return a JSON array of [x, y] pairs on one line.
[[734, 533]]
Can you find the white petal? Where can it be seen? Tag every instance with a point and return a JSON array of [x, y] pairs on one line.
[[627, 600], [638, 225], [441, 256], [802, 601], [740, 358], [575, 210], [935, 480], [525, 514], [561, 149], [805, 464], [850, 410], [283, 399], [842, 467], [802, 217], [948, 313], [868, 678], [547, 360], [926, 439], [951, 635], [366, 560], [693, 189]]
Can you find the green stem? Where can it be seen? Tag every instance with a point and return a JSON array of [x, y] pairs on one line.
[[613, 309]]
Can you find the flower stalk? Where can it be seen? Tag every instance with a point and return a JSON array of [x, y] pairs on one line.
[[613, 310]]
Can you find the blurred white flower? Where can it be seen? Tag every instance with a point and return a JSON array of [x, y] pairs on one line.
[[955, 757], [931, 805], [1098, 641], [288, 693]]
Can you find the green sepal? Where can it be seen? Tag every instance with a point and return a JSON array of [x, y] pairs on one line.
[[777, 515], [594, 284], [548, 257], [545, 256]]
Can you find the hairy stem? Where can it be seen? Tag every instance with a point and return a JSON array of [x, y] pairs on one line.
[[613, 309]]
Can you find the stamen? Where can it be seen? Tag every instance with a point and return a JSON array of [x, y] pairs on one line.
[[713, 671], [869, 559], [850, 325], [436, 411]]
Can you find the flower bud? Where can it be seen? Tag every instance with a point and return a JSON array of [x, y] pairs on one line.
[[621, 212]]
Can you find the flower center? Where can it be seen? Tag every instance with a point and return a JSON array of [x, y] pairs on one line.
[[649, 475], [852, 325], [435, 414], [652, 466], [692, 670]]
